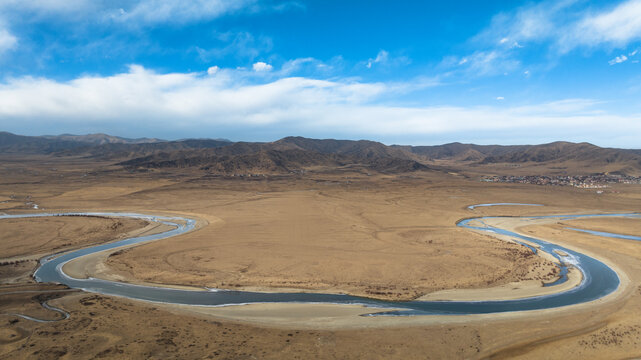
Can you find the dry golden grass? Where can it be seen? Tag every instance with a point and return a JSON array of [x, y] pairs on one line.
[[20, 237], [25, 241], [378, 243], [624, 226], [340, 231]]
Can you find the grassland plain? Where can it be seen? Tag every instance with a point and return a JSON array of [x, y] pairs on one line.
[[385, 236]]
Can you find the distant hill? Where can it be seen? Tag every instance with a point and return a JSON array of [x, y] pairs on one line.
[[574, 158], [99, 139], [11, 143], [462, 152], [283, 156], [559, 156], [562, 151], [261, 161], [361, 148], [126, 151], [292, 154]]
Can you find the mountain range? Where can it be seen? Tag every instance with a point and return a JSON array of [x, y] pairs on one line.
[[295, 154]]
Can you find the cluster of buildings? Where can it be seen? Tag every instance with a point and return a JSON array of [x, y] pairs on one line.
[[599, 181]]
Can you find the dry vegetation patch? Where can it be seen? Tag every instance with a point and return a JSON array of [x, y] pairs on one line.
[[24, 241], [366, 242]]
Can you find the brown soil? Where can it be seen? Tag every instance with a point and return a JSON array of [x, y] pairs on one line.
[[24, 241], [340, 231], [378, 243], [624, 226]]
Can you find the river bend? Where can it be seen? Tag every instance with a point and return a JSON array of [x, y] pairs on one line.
[[598, 280]]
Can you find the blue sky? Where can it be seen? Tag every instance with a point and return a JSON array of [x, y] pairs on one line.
[[507, 72]]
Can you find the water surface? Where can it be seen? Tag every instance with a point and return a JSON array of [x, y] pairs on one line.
[[598, 281]]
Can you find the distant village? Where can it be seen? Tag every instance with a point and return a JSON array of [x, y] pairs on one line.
[[599, 181]]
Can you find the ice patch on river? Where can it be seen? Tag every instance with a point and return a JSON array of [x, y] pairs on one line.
[[569, 259], [604, 281], [472, 207]]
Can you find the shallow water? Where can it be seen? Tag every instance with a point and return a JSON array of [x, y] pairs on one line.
[[472, 207], [607, 234], [598, 279]]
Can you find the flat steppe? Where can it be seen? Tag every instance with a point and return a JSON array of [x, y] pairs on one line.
[[383, 236], [25, 241]]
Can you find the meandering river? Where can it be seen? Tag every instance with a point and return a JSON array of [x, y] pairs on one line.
[[598, 279]]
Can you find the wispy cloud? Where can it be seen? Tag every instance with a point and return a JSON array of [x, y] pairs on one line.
[[623, 58], [177, 11], [49, 7], [262, 67], [527, 23], [7, 41], [617, 60], [484, 63], [296, 65], [617, 26], [498, 46], [228, 99], [117, 28], [132, 11], [381, 57], [241, 45], [557, 27]]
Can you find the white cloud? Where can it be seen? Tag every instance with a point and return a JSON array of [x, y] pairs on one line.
[[293, 65], [381, 57], [562, 26], [7, 41], [530, 22], [384, 58], [498, 46], [500, 98], [241, 45], [262, 67], [617, 26], [482, 63], [133, 12], [213, 70], [178, 11], [48, 6], [293, 105], [617, 60]]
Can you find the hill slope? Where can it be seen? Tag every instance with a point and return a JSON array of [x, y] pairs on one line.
[[293, 154], [278, 157], [99, 139]]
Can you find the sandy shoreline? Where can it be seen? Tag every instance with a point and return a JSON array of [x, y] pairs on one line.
[[336, 316], [517, 290], [94, 266]]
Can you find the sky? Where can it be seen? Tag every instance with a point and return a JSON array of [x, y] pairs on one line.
[[406, 72]]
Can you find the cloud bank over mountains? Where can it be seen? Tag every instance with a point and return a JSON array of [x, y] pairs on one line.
[[229, 99], [385, 94]]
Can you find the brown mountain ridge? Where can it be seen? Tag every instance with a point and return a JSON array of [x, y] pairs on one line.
[[295, 154]]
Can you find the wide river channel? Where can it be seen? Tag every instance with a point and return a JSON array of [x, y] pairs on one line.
[[598, 279]]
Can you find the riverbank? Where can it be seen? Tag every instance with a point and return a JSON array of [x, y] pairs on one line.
[[590, 291], [394, 212], [92, 265]]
